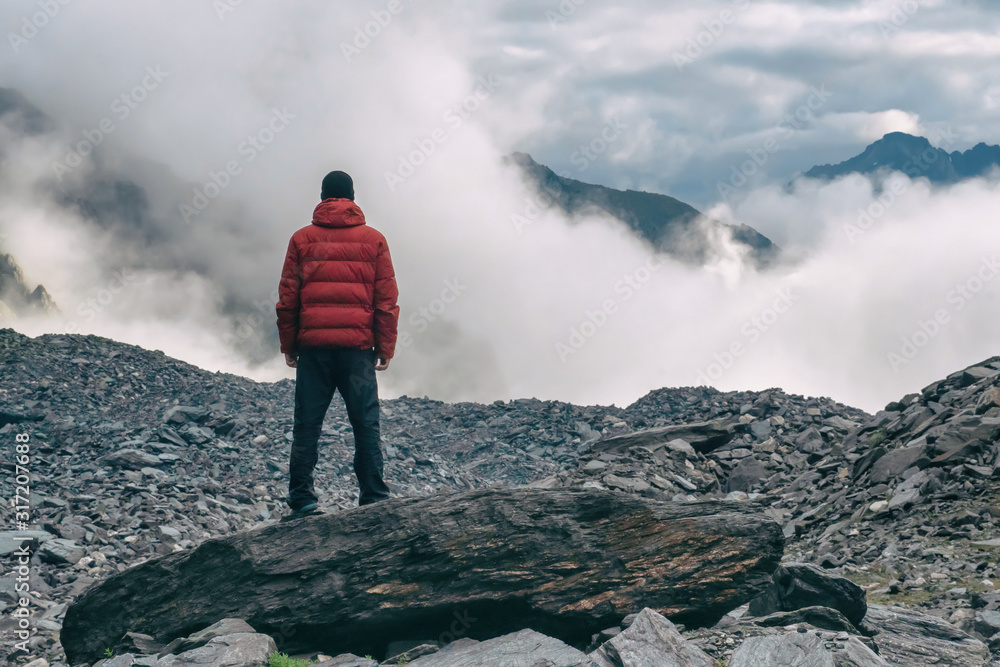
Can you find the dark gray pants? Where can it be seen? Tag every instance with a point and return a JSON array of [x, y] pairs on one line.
[[319, 373]]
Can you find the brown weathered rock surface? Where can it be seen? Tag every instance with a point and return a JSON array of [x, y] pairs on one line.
[[564, 562]]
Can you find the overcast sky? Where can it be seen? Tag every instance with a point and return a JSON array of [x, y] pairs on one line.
[[668, 97]]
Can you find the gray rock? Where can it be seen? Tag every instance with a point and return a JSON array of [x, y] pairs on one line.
[[436, 553], [241, 444], [121, 660], [681, 445], [138, 643], [180, 414], [973, 374], [60, 550], [761, 429], [749, 472], [625, 483], [824, 618], [526, 648], [169, 534], [226, 626], [896, 461], [702, 436], [987, 623], [607, 633], [347, 660], [11, 541], [964, 436], [132, 459], [990, 398], [686, 483], [864, 464], [878, 506], [987, 543], [805, 649], [798, 585], [907, 637], [409, 651], [650, 641], [242, 649], [904, 499]]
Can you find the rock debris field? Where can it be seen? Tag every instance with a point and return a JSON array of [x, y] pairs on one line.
[[693, 527]]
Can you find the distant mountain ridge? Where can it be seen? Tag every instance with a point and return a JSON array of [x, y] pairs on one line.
[[15, 296], [668, 224], [21, 117], [915, 157]]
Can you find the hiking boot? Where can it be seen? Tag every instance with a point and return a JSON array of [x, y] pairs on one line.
[[305, 510]]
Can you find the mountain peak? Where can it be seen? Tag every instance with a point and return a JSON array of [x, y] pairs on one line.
[[669, 224], [903, 139], [518, 157], [912, 155], [890, 136], [15, 296], [20, 114]]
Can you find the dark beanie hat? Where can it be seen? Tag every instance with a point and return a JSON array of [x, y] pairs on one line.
[[337, 185]]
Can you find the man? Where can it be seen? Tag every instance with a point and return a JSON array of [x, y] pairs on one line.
[[337, 322]]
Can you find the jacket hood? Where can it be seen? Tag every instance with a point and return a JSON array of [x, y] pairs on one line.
[[338, 213]]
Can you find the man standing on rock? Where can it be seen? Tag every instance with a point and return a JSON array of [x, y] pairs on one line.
[[337, 322]]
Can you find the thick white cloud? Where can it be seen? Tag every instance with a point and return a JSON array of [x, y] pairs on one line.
[[495, 77]]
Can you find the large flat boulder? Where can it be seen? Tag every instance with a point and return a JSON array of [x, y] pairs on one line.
[[908, 637], [701, 436], [479, 564], [651, 641], [806, 649], [526, 648]]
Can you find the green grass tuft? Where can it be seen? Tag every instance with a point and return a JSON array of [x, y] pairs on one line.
[[278, 659]]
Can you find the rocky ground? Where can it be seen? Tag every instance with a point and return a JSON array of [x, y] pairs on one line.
[[134, 455]]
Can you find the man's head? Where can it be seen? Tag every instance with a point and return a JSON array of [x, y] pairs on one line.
[[337, 185]]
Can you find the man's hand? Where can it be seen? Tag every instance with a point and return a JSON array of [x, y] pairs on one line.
[[291, 360], [381, 364]]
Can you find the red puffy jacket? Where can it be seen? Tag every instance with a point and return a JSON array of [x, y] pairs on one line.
[[338, 287]]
